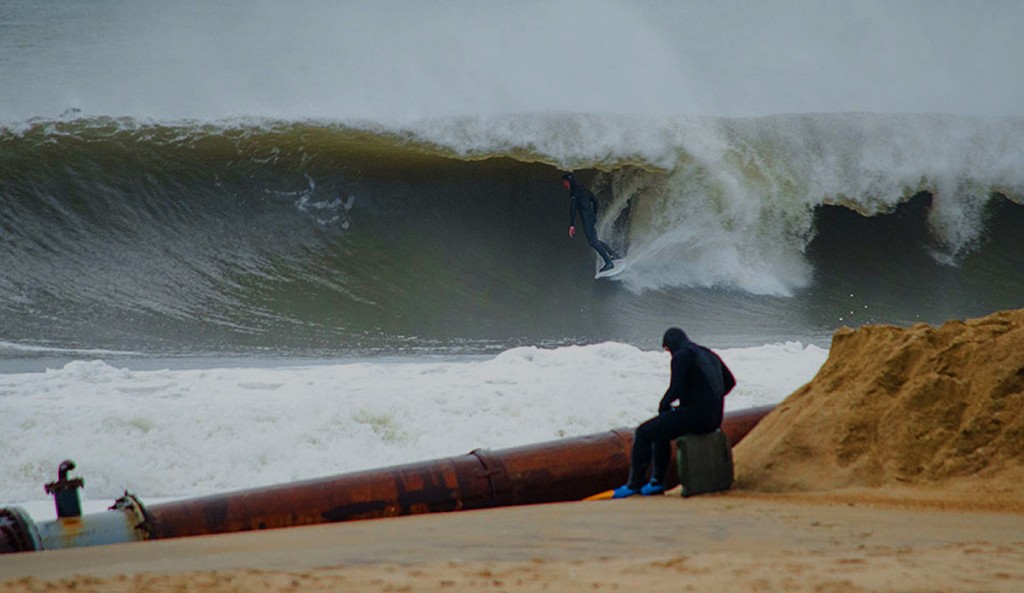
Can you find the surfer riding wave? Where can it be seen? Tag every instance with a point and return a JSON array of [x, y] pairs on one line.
[[583, 201]]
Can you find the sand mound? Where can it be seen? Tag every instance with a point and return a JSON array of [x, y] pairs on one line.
[[941, 408]]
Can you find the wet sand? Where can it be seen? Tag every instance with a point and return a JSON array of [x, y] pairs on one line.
[[735, 541]]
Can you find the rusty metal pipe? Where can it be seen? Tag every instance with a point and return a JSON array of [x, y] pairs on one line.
[[563, 470]]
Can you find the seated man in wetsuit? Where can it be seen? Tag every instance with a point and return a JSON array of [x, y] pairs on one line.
[[583, 201], [699, 383]]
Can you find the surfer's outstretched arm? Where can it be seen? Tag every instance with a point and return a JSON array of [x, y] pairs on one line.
[[572, 216]]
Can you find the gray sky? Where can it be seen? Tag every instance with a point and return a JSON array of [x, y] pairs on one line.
[[406, 59]]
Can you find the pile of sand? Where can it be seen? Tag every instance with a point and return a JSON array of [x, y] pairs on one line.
[[930, 409]]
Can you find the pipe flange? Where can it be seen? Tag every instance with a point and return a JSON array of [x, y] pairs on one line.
[[18, 532], [134, 508], [503, 491]]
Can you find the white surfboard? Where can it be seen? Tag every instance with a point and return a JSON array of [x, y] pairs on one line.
[[620, 266]]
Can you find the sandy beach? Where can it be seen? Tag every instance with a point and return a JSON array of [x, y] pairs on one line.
[[897, 469], [740, 541]]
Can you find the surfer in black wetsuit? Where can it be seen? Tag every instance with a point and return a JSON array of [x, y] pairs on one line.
[[699, 383], [583, 201]]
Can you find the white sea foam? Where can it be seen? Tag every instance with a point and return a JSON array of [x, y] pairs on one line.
[[181, 433], [16, 347], [738, 209]]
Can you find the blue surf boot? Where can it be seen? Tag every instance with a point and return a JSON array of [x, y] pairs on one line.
[[624, 492], [653, 489]]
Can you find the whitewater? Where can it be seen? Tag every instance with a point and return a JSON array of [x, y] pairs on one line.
[[254, 242], [172, 433]]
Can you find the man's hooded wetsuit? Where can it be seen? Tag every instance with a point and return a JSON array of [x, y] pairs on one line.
[[699, 382], [583, 201]]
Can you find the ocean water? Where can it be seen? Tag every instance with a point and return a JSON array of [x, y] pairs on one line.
[[343, 225]]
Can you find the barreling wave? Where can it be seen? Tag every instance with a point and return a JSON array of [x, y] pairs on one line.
[[735, 198], [126, 233]]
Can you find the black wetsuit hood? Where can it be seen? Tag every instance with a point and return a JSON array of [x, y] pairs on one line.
[[675, 340]]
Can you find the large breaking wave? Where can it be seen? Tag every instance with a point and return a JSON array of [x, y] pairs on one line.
[[320, 235]]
